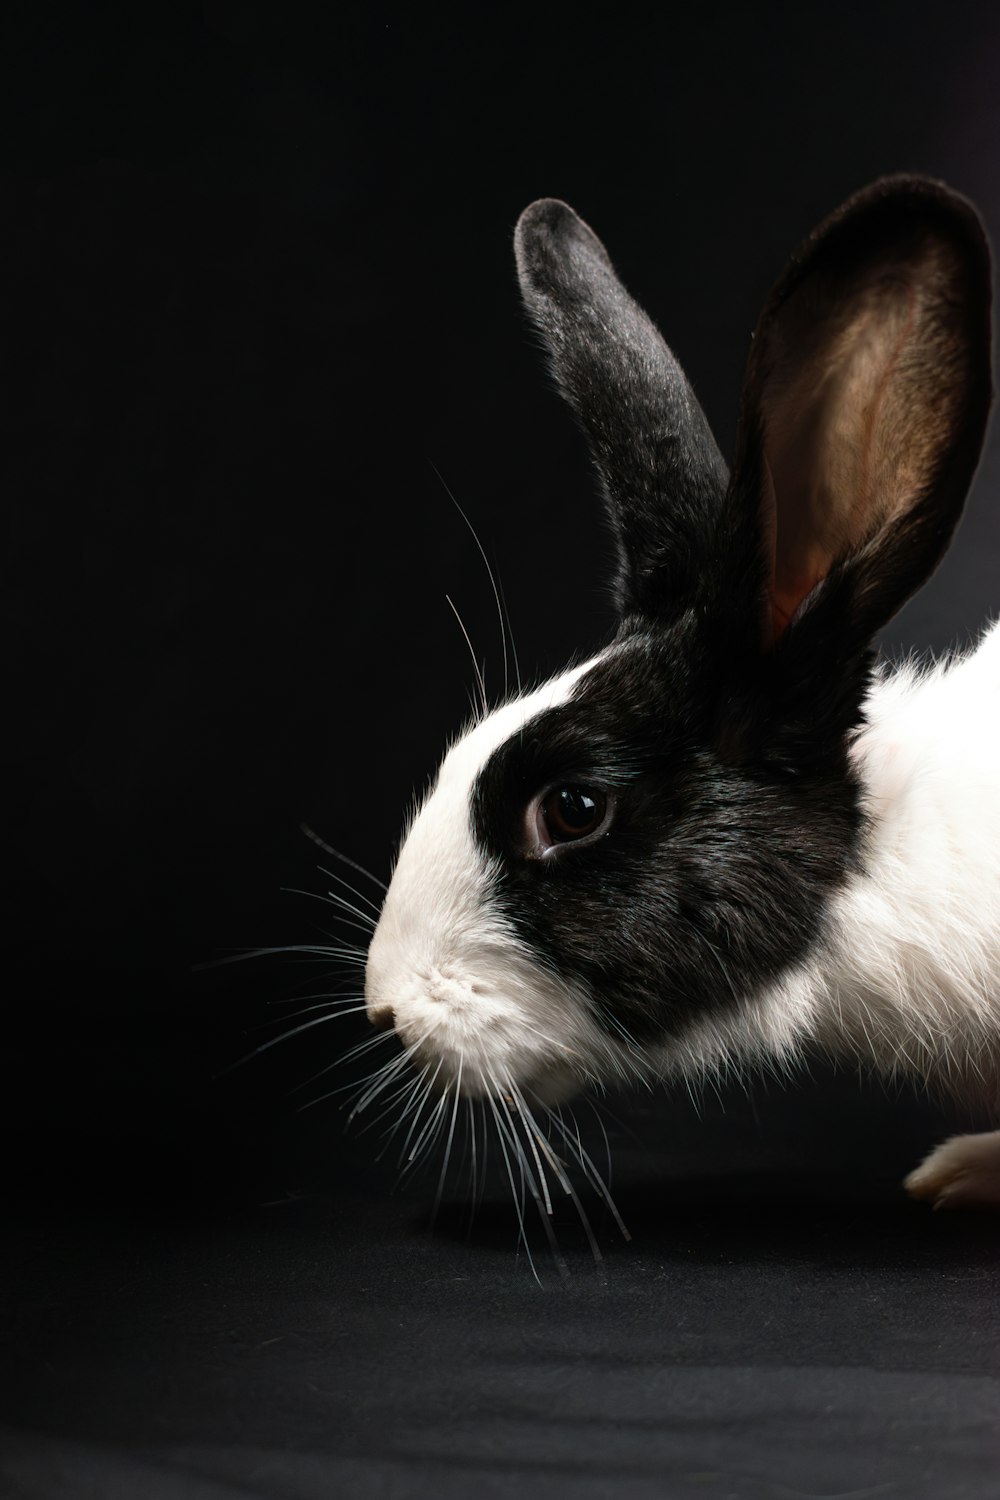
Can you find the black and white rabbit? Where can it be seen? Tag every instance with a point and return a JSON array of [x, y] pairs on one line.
[[730, 835]]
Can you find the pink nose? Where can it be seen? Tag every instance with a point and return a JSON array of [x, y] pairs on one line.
[[382, 1017]]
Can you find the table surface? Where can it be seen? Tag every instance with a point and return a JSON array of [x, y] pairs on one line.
[[773, 1328]]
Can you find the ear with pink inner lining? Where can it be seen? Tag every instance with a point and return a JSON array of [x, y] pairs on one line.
[[866, 397]]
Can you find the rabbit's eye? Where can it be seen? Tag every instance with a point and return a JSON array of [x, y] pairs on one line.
[[568, 813]]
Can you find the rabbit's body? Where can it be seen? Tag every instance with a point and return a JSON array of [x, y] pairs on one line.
[[726, 838], [909, 972], [907, 975]]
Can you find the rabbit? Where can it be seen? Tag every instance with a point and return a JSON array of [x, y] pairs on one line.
[[732, 836]]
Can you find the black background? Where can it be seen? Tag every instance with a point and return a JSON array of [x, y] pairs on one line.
[[257, 312]]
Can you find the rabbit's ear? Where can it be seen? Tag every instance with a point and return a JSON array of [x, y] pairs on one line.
[[663, 476], [865, 405]]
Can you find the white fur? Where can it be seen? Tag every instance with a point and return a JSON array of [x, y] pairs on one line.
[[963, 1172], [908, 973], [465, 996], [915, 976]]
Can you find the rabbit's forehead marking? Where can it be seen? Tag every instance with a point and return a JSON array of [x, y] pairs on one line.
[[469, 754], [436, 896]]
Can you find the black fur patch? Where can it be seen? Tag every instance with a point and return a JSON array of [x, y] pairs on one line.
[[724, 846], [721, 720], [648, 435]]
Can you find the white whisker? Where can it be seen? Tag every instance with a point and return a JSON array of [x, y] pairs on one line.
[[333, 1005], [424, 1144], [447, 1149], [566, 1183], [330, 874], [543, 1182], [338, 1062], [310, 833], [483, 705], [428, 1095], [518, 1200], [384, 1077], [388, 1106], [412, 1093], [330, 900], [489, 570], [576, 1146], [276, 1041], [246, 953], [543, 1205]]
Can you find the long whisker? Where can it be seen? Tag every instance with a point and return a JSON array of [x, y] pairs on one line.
[[341, 902], [333, 1004], [640, 1068], [543, 1181], [353, 889], [489, 570], [576, 1146], [424, 1144], [331, 900], [475, 660], [345, 905], [366, 1046], [338, 1062], [344, 1088], [370, 1087], [474, 1166], [510, 635], [412, 1091], [244, 954], [384, 1077], [428, 1094], [563, 1178], [311, 833], [447, 1149], [388, 1106], [518, 1199], [336, 995], [543, 1203], [418, 1098], [276, 1041]]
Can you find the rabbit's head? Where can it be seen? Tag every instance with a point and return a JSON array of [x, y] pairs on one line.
[[615, 871]]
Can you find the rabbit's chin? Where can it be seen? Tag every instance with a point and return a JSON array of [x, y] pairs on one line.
[[545, 1087]]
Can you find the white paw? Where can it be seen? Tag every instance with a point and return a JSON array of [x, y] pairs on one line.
[[961, 1173]]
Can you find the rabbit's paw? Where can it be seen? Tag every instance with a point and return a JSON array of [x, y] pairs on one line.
[[963, 1172]]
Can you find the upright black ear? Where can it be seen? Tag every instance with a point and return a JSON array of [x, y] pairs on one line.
[[864, 410], [662, 473]]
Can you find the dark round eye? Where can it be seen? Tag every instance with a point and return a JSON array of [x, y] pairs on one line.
[[571, 812]]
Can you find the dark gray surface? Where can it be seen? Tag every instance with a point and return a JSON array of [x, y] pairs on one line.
[[771, 1330], [791, 1358]]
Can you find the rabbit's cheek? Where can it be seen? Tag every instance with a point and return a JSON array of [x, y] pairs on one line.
[[446, 969]]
